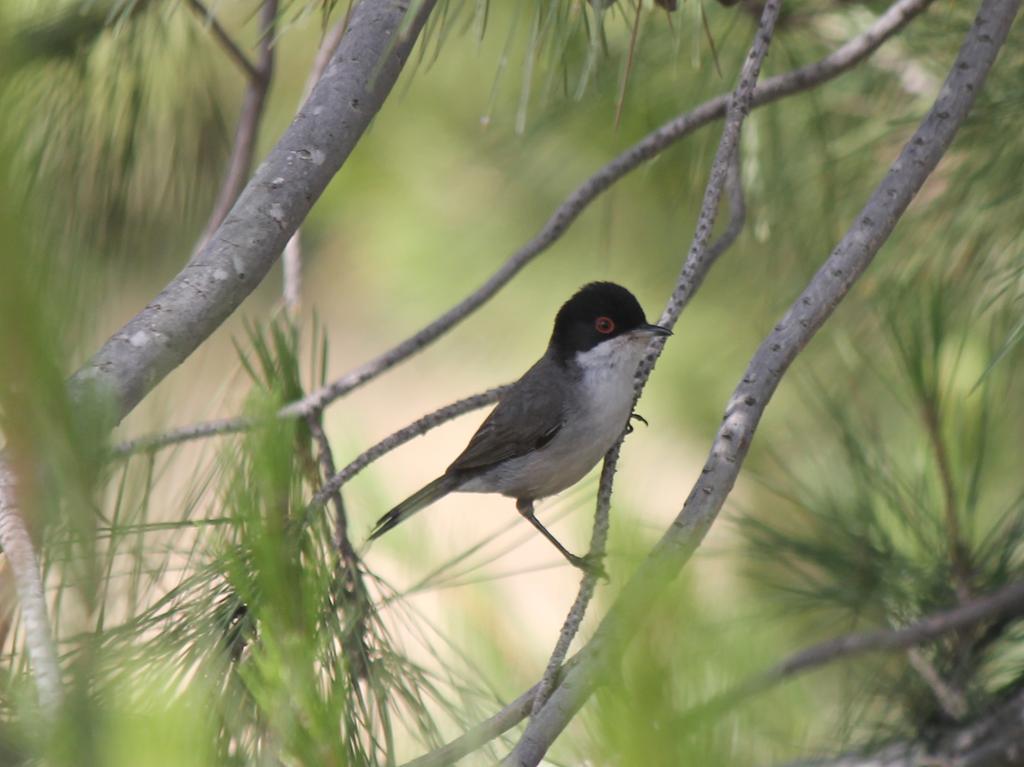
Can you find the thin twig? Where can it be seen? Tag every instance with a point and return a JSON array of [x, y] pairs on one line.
[[17, 547], [291, 259], [247, 131], [621, 102], [415, 429], [251, 71], [1007, 601], [836, 63], [805, 316], [280, 194], [995, 739], [959, 560], [151, 442], [291, 266], [951, 700], [489, 729]]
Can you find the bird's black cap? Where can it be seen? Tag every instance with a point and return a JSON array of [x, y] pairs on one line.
[[597, 312]]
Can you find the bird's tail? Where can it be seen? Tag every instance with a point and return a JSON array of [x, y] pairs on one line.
[[415, 502]]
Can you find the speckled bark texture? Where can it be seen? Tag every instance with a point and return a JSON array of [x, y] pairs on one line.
[[270, 208]]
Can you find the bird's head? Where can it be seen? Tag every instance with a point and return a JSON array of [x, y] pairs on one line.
[[602, 316]]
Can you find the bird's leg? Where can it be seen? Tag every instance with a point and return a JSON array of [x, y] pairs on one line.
[[525, 507]]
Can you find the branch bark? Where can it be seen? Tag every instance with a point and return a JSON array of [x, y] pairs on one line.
[[267, 212], [253, 101], [819, 299], [17, 547], [1007, 601], [994, 740]]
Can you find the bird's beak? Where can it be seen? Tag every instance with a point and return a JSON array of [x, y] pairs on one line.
[[652, 330]]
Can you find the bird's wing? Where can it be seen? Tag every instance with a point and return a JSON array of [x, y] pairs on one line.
[[526, 419]]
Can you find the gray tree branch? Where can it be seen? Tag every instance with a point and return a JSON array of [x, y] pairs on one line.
[[415, 429], [291, 259], [17, 547], [235, 53], [244, 146], [829, 286], [994, 740], [279, 195], [1007, 601], [805, 78]]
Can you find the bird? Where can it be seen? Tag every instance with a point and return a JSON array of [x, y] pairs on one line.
[[553, 425]]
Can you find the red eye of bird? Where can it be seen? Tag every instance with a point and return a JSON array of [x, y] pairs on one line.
[[604, 325]]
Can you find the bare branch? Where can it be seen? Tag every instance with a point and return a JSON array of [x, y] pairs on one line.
[[1007, 601], [952, 701], [234, 261], [17, 547], [483, 733], [961, 565], [219, 427], [842, 59], [400, 437], [292, 258], [995, 740], [247, 131], [829, 286], [251, 71]]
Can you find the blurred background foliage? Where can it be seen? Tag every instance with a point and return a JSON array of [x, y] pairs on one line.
[[200, 612]]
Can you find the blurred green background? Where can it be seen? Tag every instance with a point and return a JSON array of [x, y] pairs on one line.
[[118, 120]]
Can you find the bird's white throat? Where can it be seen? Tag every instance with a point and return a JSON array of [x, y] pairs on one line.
[[608, 372]]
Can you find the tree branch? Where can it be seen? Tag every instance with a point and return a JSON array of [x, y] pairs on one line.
[[483, 733], [1007, 601], [17, 547], [291, 259], [249, 116], [817, 302], [279, 195], [251, 71], [400, 437], [994, 740], [842, 59]]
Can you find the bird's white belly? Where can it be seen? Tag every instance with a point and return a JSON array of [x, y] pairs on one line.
[[602, 408]]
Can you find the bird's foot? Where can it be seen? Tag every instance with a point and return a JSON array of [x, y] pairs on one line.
[[591, 564], [635, 417]]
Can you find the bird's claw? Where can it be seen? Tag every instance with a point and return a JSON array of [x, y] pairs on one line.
[[635, 417], [591, 564]]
